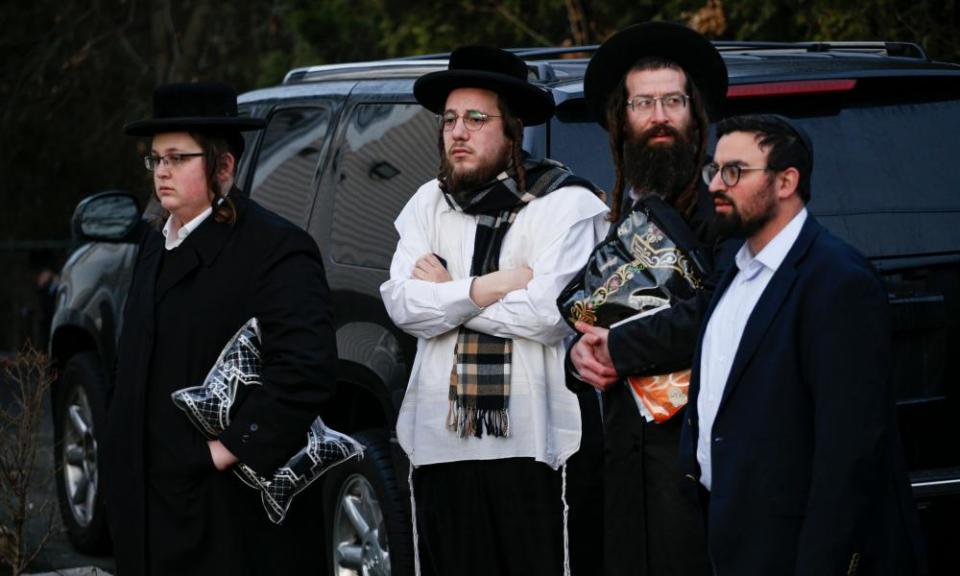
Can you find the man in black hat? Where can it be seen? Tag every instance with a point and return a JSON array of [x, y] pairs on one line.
[[653, 86], [791, 427], [173, 505], [484, 251]]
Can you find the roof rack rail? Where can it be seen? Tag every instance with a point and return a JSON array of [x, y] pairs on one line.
[[903, 49], [432, 56], [329, 71], [558, 51], [541, 71]]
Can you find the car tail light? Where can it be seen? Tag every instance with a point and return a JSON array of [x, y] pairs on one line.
[[792, 88]]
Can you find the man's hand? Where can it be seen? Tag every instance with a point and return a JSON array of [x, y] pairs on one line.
[[591, 357], [430, 268], [222, 458], [491, 287]]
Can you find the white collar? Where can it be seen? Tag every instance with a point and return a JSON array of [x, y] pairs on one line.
[[172, 242], [773, 254]]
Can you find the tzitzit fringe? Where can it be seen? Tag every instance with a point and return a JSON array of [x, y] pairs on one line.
[[413, 519], [566, 515]]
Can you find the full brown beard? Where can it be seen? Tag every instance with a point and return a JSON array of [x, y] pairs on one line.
[[461, 183], [763, 206], [662, 169]]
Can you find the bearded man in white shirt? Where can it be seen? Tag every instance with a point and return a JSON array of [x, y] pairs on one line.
[[790, 428], [484, 251]]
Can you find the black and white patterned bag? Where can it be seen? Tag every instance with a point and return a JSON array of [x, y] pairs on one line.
[[209, 406]]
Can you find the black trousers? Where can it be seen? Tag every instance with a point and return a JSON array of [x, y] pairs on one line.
[[585, 491], [489, 518], [654, 524]]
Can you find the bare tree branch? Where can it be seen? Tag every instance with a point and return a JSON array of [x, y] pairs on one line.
[[29, 378]]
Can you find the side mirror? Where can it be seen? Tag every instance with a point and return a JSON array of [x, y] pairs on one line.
[[107, 217]]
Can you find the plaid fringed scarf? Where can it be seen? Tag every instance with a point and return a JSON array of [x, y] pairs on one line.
[[479, 391]]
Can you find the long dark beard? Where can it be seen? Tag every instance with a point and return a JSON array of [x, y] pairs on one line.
[[665, 170]]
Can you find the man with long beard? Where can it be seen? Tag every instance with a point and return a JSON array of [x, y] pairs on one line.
[[651, 86], [484, 251]]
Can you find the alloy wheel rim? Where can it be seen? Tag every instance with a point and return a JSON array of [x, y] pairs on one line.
[[79, 465], [359, 533]]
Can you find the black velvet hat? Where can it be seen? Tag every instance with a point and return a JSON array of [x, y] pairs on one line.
[[694, 53], [194, 107], [491, 69]]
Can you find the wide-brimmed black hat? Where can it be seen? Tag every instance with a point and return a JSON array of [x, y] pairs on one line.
[[694, 53], [491, 69], [207, 107]]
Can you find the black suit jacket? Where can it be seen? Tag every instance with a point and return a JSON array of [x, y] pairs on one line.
[[183, 306], [807, 476]]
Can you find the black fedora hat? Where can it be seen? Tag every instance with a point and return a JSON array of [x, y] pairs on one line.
[[491, 69], [694, 53], [194, 107]]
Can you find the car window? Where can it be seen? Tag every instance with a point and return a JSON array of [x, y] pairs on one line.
[[389, 151], [288, 160], [884, 166], [582, 145]]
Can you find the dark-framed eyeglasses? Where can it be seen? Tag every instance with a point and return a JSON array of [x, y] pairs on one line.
[[173, 161], [645, 105], [729, 173], [473, 120]]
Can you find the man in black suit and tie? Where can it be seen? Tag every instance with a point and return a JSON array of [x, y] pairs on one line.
[[790, 428]]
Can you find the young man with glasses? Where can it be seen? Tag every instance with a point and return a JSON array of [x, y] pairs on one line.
[[174, 505], [790, 427], [484, 250], [653, 87]]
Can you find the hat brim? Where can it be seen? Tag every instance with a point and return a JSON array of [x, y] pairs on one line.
[[694, 53], [532, 105], [192, 124]]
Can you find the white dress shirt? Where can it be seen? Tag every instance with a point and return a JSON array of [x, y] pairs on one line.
[[721, 340], [553, 235], [170, 240]]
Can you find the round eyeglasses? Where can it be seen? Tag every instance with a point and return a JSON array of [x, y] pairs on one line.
[[645, 105], [173, 161], [729, 173], [473, 120]]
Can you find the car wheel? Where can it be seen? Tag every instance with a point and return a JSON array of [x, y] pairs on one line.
[[79, 412], [368, 523]]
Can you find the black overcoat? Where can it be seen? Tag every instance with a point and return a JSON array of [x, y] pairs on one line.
[[170, 511], [650, 525], [807, 475]]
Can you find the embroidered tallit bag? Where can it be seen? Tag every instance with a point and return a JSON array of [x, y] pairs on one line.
[[645, 264], [209, 407]]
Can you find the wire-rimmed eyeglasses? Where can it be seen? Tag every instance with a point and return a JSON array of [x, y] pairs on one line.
[[645, 105], [173, 161], [729, 173], [473, 120]]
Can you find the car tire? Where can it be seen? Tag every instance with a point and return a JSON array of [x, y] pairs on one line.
[[79, 412], [368, 520]]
